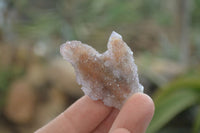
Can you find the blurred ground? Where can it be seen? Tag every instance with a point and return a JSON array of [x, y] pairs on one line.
[[36, 84]]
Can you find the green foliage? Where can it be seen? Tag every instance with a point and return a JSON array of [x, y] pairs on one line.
[[42, 26], [173, 99], [41, 19], [196, 127], [196, 14], [7, 75]]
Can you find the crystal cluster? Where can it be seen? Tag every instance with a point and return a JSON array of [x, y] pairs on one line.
[[111, 77]]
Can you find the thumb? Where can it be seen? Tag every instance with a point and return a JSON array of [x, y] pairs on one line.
[[135, 115]]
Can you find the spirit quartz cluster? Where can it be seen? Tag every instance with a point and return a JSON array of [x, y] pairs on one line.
[[111, 76]]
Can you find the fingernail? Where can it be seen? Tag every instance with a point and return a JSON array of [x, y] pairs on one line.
[[121, 130]]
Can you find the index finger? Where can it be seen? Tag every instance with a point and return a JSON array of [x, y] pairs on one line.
[[83, 116]]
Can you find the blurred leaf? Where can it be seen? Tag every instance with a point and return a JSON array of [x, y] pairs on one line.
[[196, 127], [170, 107], [173, 99], [195, 14], [42, 26], [4, 78], [7, 75], [149, 8], [190, 82]]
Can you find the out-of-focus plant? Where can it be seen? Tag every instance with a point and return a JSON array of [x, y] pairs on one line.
[[74, 19], [7, 75], [195, 14], [174, 98]]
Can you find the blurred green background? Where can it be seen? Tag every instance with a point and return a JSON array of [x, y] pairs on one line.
[[36, 84]]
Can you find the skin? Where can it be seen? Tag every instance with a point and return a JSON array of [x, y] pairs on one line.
[[88, 116]]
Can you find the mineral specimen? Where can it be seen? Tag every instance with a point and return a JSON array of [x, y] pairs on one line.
[[111, 77]]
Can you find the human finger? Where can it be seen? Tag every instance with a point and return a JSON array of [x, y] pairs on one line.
[[136, 114], [83, 116], [105, 125], [121, 130]]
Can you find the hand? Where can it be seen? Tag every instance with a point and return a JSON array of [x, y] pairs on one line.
[[86, 116]]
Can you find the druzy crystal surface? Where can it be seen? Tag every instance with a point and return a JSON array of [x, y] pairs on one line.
[[111, 76]]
